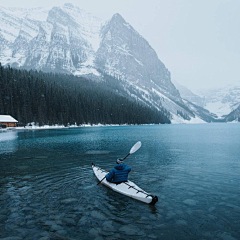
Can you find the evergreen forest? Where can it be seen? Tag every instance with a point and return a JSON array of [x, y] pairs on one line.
[[51, 98]]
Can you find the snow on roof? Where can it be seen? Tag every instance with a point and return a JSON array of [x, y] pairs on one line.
[[7, 118]]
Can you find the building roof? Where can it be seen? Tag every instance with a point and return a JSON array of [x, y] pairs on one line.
[[7, 118]]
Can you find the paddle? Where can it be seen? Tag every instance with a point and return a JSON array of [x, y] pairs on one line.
[[133, 150]]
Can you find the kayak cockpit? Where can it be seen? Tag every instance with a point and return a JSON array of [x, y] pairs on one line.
[[127, 188]]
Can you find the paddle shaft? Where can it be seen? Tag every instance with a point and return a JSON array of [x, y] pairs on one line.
[[101, 180], [126, 156]]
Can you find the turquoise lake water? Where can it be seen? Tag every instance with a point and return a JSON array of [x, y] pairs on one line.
[[48, 189]]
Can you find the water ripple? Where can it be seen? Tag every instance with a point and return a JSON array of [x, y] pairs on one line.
[[48, 189]]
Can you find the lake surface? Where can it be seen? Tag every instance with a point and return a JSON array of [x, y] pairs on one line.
[[48, 189]]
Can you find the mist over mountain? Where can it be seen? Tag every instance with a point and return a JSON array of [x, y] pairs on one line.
[[189, 95], [221, 101], [67, 39]]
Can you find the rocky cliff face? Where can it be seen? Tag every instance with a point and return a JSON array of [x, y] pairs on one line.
[[125, 54], [61, 39], [69, 40]]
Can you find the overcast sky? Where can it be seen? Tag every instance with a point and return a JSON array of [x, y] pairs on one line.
[[197, 40]]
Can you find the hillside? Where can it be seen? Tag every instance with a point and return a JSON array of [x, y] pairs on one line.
[[49, 98], [67, 39]]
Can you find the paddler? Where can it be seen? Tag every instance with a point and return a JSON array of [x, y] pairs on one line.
[[119, 173]]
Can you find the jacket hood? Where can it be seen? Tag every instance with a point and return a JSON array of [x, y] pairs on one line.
[[120, 166]]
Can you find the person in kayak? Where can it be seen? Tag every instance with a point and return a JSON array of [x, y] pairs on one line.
[[119, 173]]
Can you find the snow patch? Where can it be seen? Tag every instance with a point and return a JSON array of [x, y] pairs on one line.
[[127, 25], [37, 14], [179, 120], [89, 25], [86, 71], [139, 62], [47, 28], [221, 101], [162, 96], [123, 50], [108, 36], [218, 108], [234, 121]]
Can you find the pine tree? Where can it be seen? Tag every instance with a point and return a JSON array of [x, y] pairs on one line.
[[50, 98]]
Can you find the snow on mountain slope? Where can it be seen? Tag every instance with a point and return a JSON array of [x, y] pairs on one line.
[[126, 55], [19, 26], [89, 25], [202, 113], [189, 95], [222, 101], [19, 21], [234, 116], [35, 14], [194, 120], [218, 108], [69, 40], [61, 39]]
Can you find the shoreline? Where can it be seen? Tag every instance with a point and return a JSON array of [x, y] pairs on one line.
[[48, 127]]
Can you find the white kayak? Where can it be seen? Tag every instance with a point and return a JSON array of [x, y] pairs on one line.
[[128, 188]]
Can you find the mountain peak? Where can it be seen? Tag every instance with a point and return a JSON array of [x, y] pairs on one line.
[[118, 17], [68, 39], [69, 5]]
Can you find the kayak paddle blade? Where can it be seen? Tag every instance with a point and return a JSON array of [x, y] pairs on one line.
[[135, 147]]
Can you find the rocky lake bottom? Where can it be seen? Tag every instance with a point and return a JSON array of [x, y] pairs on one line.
[[48, 189]]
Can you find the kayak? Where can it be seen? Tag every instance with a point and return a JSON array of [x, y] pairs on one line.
[[128, 188]]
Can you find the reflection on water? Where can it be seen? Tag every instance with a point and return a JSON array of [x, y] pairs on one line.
[[8, 142], [8, 136], [49, 191]]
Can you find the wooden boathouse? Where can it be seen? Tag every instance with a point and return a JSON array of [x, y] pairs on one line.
[[7, 121]]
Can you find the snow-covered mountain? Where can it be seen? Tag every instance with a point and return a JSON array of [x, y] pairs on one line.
[[234, 116], [221, 101], [201, 112], [69, 40], [189, 95], [62, 39]]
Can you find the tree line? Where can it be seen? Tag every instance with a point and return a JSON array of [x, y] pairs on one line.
[[50, 98]]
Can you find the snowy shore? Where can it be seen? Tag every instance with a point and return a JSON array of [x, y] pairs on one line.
[[45, 127]]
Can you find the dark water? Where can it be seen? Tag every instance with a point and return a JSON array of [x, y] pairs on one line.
[[48, 190]]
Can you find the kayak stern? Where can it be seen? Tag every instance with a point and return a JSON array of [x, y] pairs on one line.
[[154, 200]]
